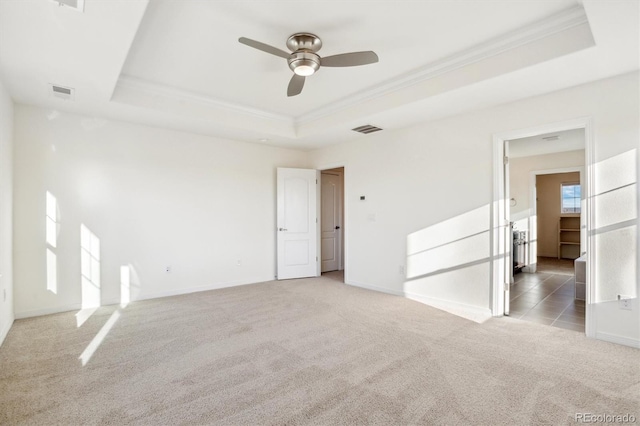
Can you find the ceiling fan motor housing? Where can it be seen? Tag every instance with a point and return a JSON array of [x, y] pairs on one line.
[[308, 61], [304, 41], [304, 61]]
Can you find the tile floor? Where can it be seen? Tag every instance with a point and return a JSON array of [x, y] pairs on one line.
[[547, 297]]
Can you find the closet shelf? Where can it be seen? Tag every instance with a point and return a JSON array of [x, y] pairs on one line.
[[568, 236]]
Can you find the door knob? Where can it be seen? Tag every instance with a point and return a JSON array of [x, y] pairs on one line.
[[337, 227], [282, 229]]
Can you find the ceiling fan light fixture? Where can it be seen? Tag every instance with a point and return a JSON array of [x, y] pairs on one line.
[[304, 70], [304, 63], [304, 60]]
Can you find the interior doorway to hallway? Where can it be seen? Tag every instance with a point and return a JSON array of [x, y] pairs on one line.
[[545, 180], [332, 223]]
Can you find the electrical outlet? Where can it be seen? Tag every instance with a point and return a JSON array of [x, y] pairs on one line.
[[239, 262], [624, 302], [4, 294], [401, 269], [167, 269]]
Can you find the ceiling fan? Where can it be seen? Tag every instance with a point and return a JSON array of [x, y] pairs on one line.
[[304, 61]]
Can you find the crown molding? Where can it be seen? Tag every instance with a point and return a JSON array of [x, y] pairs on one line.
[[179, 95], [559, 22]]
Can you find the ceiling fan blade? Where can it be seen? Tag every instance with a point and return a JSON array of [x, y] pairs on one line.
[[264, 47], [349, 59], [295, 85]]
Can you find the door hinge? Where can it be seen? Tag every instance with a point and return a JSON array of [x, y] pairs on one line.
[[316, 181], [505, 159], [316, 258]]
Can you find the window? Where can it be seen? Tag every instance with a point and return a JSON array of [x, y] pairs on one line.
[[570, 201]]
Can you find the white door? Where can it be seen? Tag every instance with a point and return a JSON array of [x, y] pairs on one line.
[[331, 226], [297, 223]]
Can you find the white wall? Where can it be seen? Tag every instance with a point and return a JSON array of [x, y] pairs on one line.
[[520, 179], [6, 209], [429, 187], [158, 198], [423, 228], [548, 215], [154, 198]]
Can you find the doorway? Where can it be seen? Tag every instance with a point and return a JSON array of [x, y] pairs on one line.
[[542, 288], [543, 285], [332, 223]]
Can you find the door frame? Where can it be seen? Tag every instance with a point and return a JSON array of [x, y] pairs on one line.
[[500, 247], [345, 214], [341, 217]]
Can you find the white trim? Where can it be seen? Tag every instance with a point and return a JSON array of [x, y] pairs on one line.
[[137, 84], [549, 26], [189, 290], [472, 313], [496, 236], [375, 288], [48, 311], [590, 222], [498, 252], [560, 22], [58, 309], [141, 297], [5, 331], [318, 223], [612, 338]]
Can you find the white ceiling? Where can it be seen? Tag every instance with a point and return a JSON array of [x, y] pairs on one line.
[[178, 64], [568, 140]]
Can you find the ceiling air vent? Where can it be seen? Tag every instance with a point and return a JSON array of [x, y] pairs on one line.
[[551, 138], [62, 92], [366, 129], [71, 4]]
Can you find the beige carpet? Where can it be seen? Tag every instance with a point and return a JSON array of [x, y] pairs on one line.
[[311, 351]]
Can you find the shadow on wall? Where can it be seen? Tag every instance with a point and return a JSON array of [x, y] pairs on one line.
[[615, 235], [449, 261]]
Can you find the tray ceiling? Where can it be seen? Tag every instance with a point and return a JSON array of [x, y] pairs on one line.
[[179, 64]]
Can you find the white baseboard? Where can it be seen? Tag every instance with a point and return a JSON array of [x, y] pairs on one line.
[[48, 311], [59, 309], [147, 296], [472, 313], [375, 288], [188, 290], [5, 331], [620, 340]]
